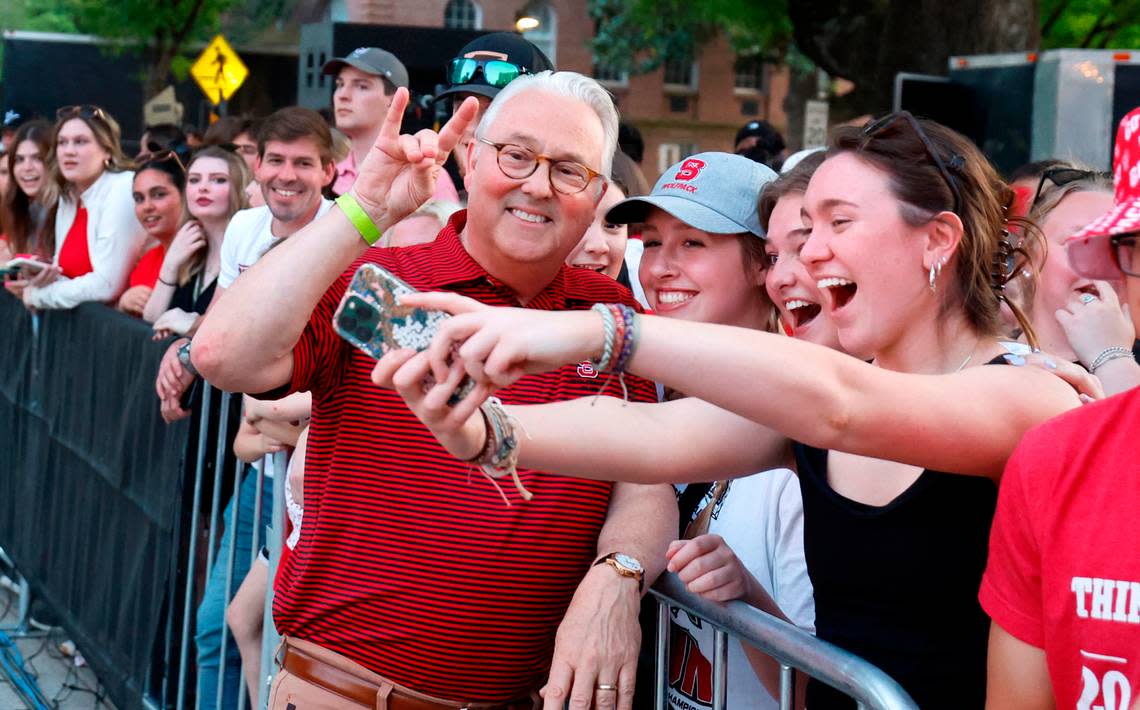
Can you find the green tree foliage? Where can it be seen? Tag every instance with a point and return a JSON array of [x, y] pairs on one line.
[[1092, 24]]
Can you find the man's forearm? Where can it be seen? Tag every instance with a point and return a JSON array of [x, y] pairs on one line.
[[253, 326], [641, 522]]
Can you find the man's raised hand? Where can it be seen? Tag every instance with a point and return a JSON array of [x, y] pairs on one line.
[[399, 173]]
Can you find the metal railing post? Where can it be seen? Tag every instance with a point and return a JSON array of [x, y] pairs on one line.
[[227, 592], [661, 684], [720, 669], [219, 469], [195, 510], [787, 686], [274, 540]]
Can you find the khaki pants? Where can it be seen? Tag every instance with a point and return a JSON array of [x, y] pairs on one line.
[[293, 692]]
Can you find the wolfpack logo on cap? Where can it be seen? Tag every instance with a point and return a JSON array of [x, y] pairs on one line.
[[690, 169]]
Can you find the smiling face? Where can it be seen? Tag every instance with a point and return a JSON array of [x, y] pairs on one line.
[[359, 102], [28, 172], [524, 221], [158, 204], [693, 275], [602, 248], [1057, 282], [81, 159], [291, 178], [789, 285], [208, 189], [867, 262]]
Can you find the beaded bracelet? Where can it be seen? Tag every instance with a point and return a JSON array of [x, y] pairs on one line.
[[500, 454], [628, 316], [1107, 355], [609, 326]]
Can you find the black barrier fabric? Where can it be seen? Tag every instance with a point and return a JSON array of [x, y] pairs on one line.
[[90, 480]]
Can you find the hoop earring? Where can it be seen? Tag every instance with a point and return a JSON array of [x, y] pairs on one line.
[[935, 272]]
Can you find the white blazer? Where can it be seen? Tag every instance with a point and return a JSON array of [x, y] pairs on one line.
[[114, 240]]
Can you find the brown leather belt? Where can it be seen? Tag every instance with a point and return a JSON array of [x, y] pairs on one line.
[[369, 694]]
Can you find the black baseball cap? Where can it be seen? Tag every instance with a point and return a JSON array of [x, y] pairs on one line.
[[511, 48], [371, 60]]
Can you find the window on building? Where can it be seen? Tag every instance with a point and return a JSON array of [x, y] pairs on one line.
[[463, 15], [681, 72], [609, 75], [545, 36], [750, 73]]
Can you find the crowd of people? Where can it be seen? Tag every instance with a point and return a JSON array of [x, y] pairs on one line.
[[876, 390]]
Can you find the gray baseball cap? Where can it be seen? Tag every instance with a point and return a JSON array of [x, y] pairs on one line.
[[371, 60], [713, 192]]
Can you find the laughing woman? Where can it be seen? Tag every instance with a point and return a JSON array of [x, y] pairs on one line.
[[898, 459]]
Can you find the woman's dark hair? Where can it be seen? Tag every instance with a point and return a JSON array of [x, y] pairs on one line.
[[19, 223], [166, 162], [793, 182], [626, 176], [226, 129], [986, 257]]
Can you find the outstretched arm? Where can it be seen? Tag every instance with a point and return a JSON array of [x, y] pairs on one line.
[[552, 435], [246, 341], [967, 422]]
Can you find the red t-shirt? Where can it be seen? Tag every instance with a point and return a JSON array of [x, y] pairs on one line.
[[146, 271], [74, 255], [409, 563], [1064, 564]]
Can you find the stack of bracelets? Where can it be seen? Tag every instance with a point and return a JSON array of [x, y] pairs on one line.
[[1108, 355], [500, 453]]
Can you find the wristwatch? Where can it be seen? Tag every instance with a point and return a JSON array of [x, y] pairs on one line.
[[626, 566], [184, 358]]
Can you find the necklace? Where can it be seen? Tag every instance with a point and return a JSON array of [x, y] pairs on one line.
[[965, 362]]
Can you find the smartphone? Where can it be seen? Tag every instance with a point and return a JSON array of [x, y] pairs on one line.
[[370, 317]]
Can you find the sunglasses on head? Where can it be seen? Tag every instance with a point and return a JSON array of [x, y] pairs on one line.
[[956, 161], [161, 156], [1063, 176], [87, 111], [496, 72]]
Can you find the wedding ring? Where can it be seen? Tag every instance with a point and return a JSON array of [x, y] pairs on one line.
[[605, 686], [1087, 298]]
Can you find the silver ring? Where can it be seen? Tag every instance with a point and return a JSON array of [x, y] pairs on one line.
[[605, 686], [1087, 298]]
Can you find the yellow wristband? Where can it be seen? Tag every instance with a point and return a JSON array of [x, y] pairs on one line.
[[359, 218]]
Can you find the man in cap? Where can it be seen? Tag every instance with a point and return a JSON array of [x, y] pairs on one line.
[[481, 69], [760, 141], [365, 81], [1062, 583]]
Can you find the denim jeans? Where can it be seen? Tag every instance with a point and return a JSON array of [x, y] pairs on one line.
[[212, 610]]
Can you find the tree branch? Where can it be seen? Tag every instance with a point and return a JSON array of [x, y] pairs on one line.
[[1097, 27], [1054, 16], [182, 32]]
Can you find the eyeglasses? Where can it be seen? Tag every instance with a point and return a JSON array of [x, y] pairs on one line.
[[496, 72], [518, 163], [162, 156], [87, 111], [1127, 251], [1061, 177], [956, 161]]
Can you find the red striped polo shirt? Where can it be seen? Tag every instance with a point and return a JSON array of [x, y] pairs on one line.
[[409, 563]]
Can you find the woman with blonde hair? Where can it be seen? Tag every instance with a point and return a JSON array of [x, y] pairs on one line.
[[215, 191], [97, 237]]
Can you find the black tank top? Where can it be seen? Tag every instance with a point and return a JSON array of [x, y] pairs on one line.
[[898, 584]]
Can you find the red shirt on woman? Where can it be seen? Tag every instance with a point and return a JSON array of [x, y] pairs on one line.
[[74, 258], [146, 271]]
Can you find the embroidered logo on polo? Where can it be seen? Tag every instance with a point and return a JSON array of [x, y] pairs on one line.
[[586, 369]]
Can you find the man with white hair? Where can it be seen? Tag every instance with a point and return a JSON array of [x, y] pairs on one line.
[[413, 585]]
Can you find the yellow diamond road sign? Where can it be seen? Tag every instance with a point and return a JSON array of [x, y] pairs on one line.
[[219, 70]]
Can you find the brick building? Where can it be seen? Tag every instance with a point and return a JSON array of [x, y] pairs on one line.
[[683, 107]]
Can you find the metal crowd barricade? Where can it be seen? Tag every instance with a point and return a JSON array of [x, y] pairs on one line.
[[793, 648], [193, 584]]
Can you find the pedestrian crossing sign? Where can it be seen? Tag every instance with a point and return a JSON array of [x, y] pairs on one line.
[[219, 71]]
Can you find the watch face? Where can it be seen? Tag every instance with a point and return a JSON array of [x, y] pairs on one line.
[[628, 562]]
